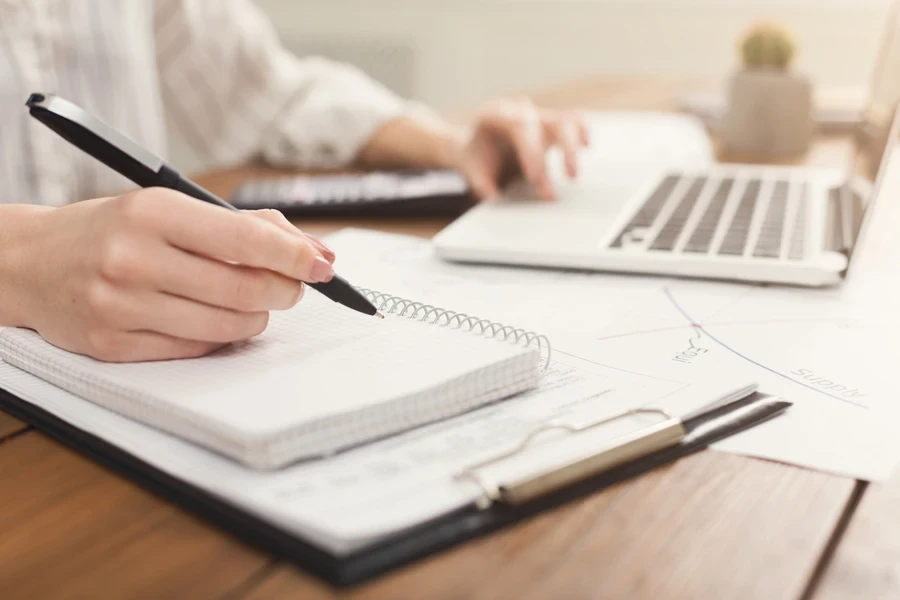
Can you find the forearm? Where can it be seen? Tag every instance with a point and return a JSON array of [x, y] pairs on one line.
[[18, 225], [415, 140]]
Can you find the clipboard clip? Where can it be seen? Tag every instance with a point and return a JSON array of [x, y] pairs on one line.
[[620, 450]]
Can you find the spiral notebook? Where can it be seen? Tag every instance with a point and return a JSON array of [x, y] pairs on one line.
[[319, 380]]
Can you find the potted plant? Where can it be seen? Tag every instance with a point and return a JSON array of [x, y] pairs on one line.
[[769, 105]]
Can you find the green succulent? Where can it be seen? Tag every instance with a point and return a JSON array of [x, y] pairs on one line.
[[767, 46]]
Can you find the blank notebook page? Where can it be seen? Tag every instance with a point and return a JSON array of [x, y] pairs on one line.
[[320, 378]]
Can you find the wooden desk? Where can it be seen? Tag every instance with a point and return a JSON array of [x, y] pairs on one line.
[[709, 526], [9, 426], [867, 562]]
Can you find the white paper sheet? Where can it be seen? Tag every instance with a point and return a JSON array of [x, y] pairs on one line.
[[830, 352]]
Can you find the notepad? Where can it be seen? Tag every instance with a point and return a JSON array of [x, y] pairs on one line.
[[321, 379]]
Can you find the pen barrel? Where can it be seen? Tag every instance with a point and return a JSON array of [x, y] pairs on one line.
[[339, 290], [186, 186]]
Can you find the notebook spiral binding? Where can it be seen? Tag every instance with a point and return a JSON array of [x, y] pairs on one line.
[[396, 305]]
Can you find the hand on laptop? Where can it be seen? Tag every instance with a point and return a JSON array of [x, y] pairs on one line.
[[156, 275], [512, 137], [506, 138]]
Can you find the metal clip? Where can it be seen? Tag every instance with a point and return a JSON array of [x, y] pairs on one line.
[[620, 450]]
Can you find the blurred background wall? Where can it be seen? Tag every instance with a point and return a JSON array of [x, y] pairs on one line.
[[454, 53], [451, 53]]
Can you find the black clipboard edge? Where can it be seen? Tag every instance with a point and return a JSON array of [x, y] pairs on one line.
[[410, 546]]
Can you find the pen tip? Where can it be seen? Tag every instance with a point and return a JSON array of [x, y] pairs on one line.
[[379, 315]]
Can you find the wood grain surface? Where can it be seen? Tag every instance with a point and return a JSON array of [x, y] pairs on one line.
[[70, 529], [9, 425], [709, 526], [867, 561]]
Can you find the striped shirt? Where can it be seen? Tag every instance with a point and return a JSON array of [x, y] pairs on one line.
[[212, 68]]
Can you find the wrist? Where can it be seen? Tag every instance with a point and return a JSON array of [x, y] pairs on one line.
[[450, 146], [420, 139], [20, 227]]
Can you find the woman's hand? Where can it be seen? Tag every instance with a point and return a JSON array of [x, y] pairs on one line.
[[512, 137], [506, 138], [156, 275]]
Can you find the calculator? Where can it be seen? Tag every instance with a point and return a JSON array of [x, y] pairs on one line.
[[419, 193]]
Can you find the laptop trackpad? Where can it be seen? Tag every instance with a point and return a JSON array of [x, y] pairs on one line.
[[575, 220]]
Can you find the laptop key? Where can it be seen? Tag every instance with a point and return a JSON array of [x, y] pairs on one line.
[[798, 238], [667, 236], [768, 244], [739, 228], [702, 236], [648, 212]]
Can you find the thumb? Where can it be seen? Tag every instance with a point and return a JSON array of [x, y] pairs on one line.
[[484, 186], [477, 172]]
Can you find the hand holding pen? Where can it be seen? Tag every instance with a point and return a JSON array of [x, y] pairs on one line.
[[116, 151], [155, 273]]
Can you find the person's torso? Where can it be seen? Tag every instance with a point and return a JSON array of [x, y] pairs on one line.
[[99, 54]]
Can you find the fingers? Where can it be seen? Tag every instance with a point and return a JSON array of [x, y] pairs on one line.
[[584, 133], [519, 123], [277, 218], [216, 283], [483, 186], [569, 131], [528, 140], [135, 346], [140, 262], [565, 133], [237, 237], [181, 318], [531, 132], [482, 166]]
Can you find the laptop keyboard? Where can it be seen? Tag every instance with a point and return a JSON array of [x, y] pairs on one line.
[[768, 244], [727, 216], [702, 236], [647, 214], [739, 230], [668, 235]]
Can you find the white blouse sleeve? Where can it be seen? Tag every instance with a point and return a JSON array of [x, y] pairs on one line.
[[238, 94]]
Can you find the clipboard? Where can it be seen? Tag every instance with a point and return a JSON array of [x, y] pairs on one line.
[[503, 503]]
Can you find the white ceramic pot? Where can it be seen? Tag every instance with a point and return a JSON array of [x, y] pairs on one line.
[[769, 113]]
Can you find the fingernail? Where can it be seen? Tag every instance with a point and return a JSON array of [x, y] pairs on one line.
[[323, 248], [322, 270]]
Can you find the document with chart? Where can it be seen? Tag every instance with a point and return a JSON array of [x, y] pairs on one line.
[[827, 351]]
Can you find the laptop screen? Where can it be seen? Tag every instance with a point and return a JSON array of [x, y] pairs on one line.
[[877, 133], [882, 101]]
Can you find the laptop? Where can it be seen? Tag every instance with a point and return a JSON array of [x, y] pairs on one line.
[[784, 225]]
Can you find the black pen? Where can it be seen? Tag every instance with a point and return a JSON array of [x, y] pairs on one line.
[[143, 168]]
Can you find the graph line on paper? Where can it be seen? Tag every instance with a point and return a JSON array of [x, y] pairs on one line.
[[699, 327], [720, 324], [615, 368]]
